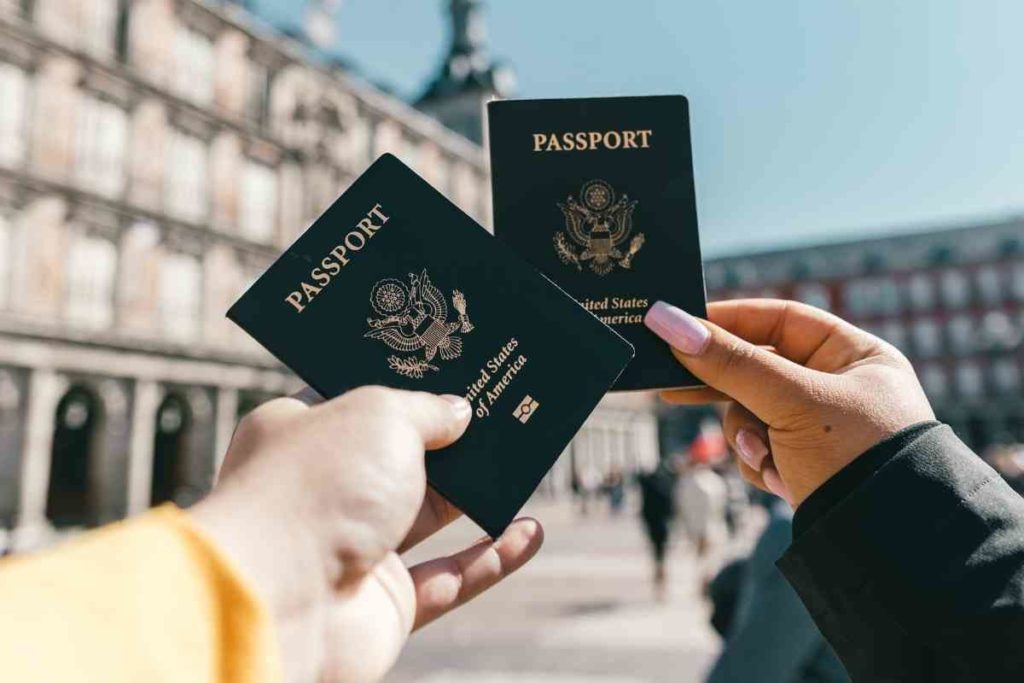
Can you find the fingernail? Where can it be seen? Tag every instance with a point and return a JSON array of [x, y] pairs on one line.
[[772, 480], [308, 396], [751, 448], [677, 327], [459, 404]]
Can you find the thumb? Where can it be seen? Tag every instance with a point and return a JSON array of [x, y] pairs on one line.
[[765, 383], [440, 420]]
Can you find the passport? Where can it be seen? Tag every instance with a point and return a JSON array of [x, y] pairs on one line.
[[394, 285], [598, 194]]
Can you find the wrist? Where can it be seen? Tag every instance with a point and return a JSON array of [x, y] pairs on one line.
[[273, 550]]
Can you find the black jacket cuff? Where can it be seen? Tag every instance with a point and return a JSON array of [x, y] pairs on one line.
[[842, 484]]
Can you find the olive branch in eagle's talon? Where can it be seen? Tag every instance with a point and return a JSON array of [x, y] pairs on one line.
[[565, 252], [410, 367]]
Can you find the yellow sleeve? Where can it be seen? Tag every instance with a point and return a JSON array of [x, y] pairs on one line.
[[149, 599]]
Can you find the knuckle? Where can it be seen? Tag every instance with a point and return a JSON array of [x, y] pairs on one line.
[[374, 398], [256, 424], [733, 357]]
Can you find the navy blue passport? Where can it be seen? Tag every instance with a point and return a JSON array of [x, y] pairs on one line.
[[394, 285], [598, 195]]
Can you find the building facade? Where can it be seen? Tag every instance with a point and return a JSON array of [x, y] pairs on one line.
[[155, 156], [951, 300]]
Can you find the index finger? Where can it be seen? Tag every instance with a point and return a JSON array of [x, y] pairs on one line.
[[445, 583], [798, 332]]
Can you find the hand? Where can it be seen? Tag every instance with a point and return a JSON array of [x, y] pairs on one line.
[[312, 505], [808, 391]]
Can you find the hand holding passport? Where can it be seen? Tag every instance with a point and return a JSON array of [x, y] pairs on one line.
[[395, 286]]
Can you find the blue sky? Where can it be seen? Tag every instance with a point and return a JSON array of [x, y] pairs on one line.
[[812, 120]]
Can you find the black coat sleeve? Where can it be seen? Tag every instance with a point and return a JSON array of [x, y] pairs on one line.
[[916, 573]]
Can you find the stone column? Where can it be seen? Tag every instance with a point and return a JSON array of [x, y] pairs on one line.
[[108, 468], [13, 398], [145, 401], [227, 411], [44, 391], [199, 468]]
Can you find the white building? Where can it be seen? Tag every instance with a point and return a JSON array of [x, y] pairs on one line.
[[155, 155]]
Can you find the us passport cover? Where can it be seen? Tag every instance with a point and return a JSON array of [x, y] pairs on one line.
[[598, 194], [394, 285]]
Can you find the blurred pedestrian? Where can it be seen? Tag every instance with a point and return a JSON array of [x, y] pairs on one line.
[[702, 492], [737, 499], [588, 486], [770, 637], [615, 489], [657, 508]]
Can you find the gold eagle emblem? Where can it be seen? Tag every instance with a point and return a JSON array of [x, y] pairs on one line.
[[413, 318], [596, 228]]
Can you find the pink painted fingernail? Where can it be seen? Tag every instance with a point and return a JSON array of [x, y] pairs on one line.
[[774, 483], [751, 448], [677, 327]]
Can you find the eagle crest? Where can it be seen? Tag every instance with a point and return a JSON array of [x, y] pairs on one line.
[[413, 319], [597, 227]]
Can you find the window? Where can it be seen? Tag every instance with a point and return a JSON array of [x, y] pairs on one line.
[[895, 333], [194, 65], [257, 105], [464, 189], [961, 334], [92, 268], [863, 297], [956, 289], [921, 292], [179, 296], [927, 339], [186, 177], [888, 296], [387, 138], [1017, 281], [13, 104], [998, 331], [969, 379], [934, 381], [1006, 375], [100, 140], [813, 294], [411, 154], [99, 26], [259, 202], [990, 285]]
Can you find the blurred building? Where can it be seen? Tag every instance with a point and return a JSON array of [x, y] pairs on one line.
[[155, 156], [952, 300]]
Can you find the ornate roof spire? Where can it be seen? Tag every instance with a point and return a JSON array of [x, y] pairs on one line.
[[468, 77]]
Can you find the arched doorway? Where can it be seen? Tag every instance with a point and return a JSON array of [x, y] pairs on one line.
[[170, 452], [69, 499]]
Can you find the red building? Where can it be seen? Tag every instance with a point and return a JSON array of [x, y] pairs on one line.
[[952, 300]]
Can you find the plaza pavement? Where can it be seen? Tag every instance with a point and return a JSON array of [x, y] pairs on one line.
[[582, 611]]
